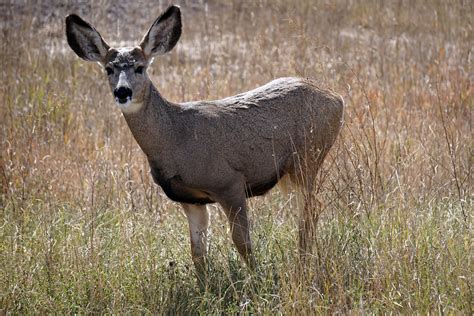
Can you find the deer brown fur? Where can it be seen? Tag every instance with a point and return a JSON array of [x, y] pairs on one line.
[[220, 151]]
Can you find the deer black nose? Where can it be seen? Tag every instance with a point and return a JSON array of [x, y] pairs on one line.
[[123, 93]]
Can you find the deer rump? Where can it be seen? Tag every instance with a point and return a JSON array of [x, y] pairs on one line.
[[255, 137]]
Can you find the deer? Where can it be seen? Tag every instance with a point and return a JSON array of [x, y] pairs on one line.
[[223, 151]]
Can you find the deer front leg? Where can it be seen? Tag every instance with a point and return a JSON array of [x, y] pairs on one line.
[[198, 219], [235, 208]]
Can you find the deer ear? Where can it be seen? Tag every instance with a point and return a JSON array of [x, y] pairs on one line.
[[163, 34], [84, 39]]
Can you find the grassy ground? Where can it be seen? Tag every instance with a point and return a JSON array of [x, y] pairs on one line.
[[84, 230]]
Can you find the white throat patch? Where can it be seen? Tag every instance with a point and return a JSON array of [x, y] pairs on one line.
[[129, 106]]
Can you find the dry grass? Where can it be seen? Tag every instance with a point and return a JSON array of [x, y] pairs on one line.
[[83, 229]]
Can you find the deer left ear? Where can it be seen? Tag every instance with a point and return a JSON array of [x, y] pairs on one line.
[[163, 34]]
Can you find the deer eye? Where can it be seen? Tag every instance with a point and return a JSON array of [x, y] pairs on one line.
[[139, 70], [109, 70]]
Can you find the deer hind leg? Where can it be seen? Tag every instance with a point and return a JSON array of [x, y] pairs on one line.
[[308, 217], [309, 209], [235, 208], [198, 220], [304, 176], [297, 191]]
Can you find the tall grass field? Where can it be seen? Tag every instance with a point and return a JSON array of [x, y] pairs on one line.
[[84, 230]]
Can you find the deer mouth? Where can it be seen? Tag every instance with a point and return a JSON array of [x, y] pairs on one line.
[[128, 105], [123, 101]]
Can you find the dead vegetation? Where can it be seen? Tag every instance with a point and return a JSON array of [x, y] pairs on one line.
[[84, 229]]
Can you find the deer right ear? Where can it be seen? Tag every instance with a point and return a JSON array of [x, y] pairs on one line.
[[163, 34], [84, 39]]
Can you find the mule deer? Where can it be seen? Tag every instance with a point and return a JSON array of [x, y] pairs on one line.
[[220, 151]]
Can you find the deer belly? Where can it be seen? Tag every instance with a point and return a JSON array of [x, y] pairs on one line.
[[177, 191], [260, 186]]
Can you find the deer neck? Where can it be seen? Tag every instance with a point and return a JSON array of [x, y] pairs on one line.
[[152, 125]]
